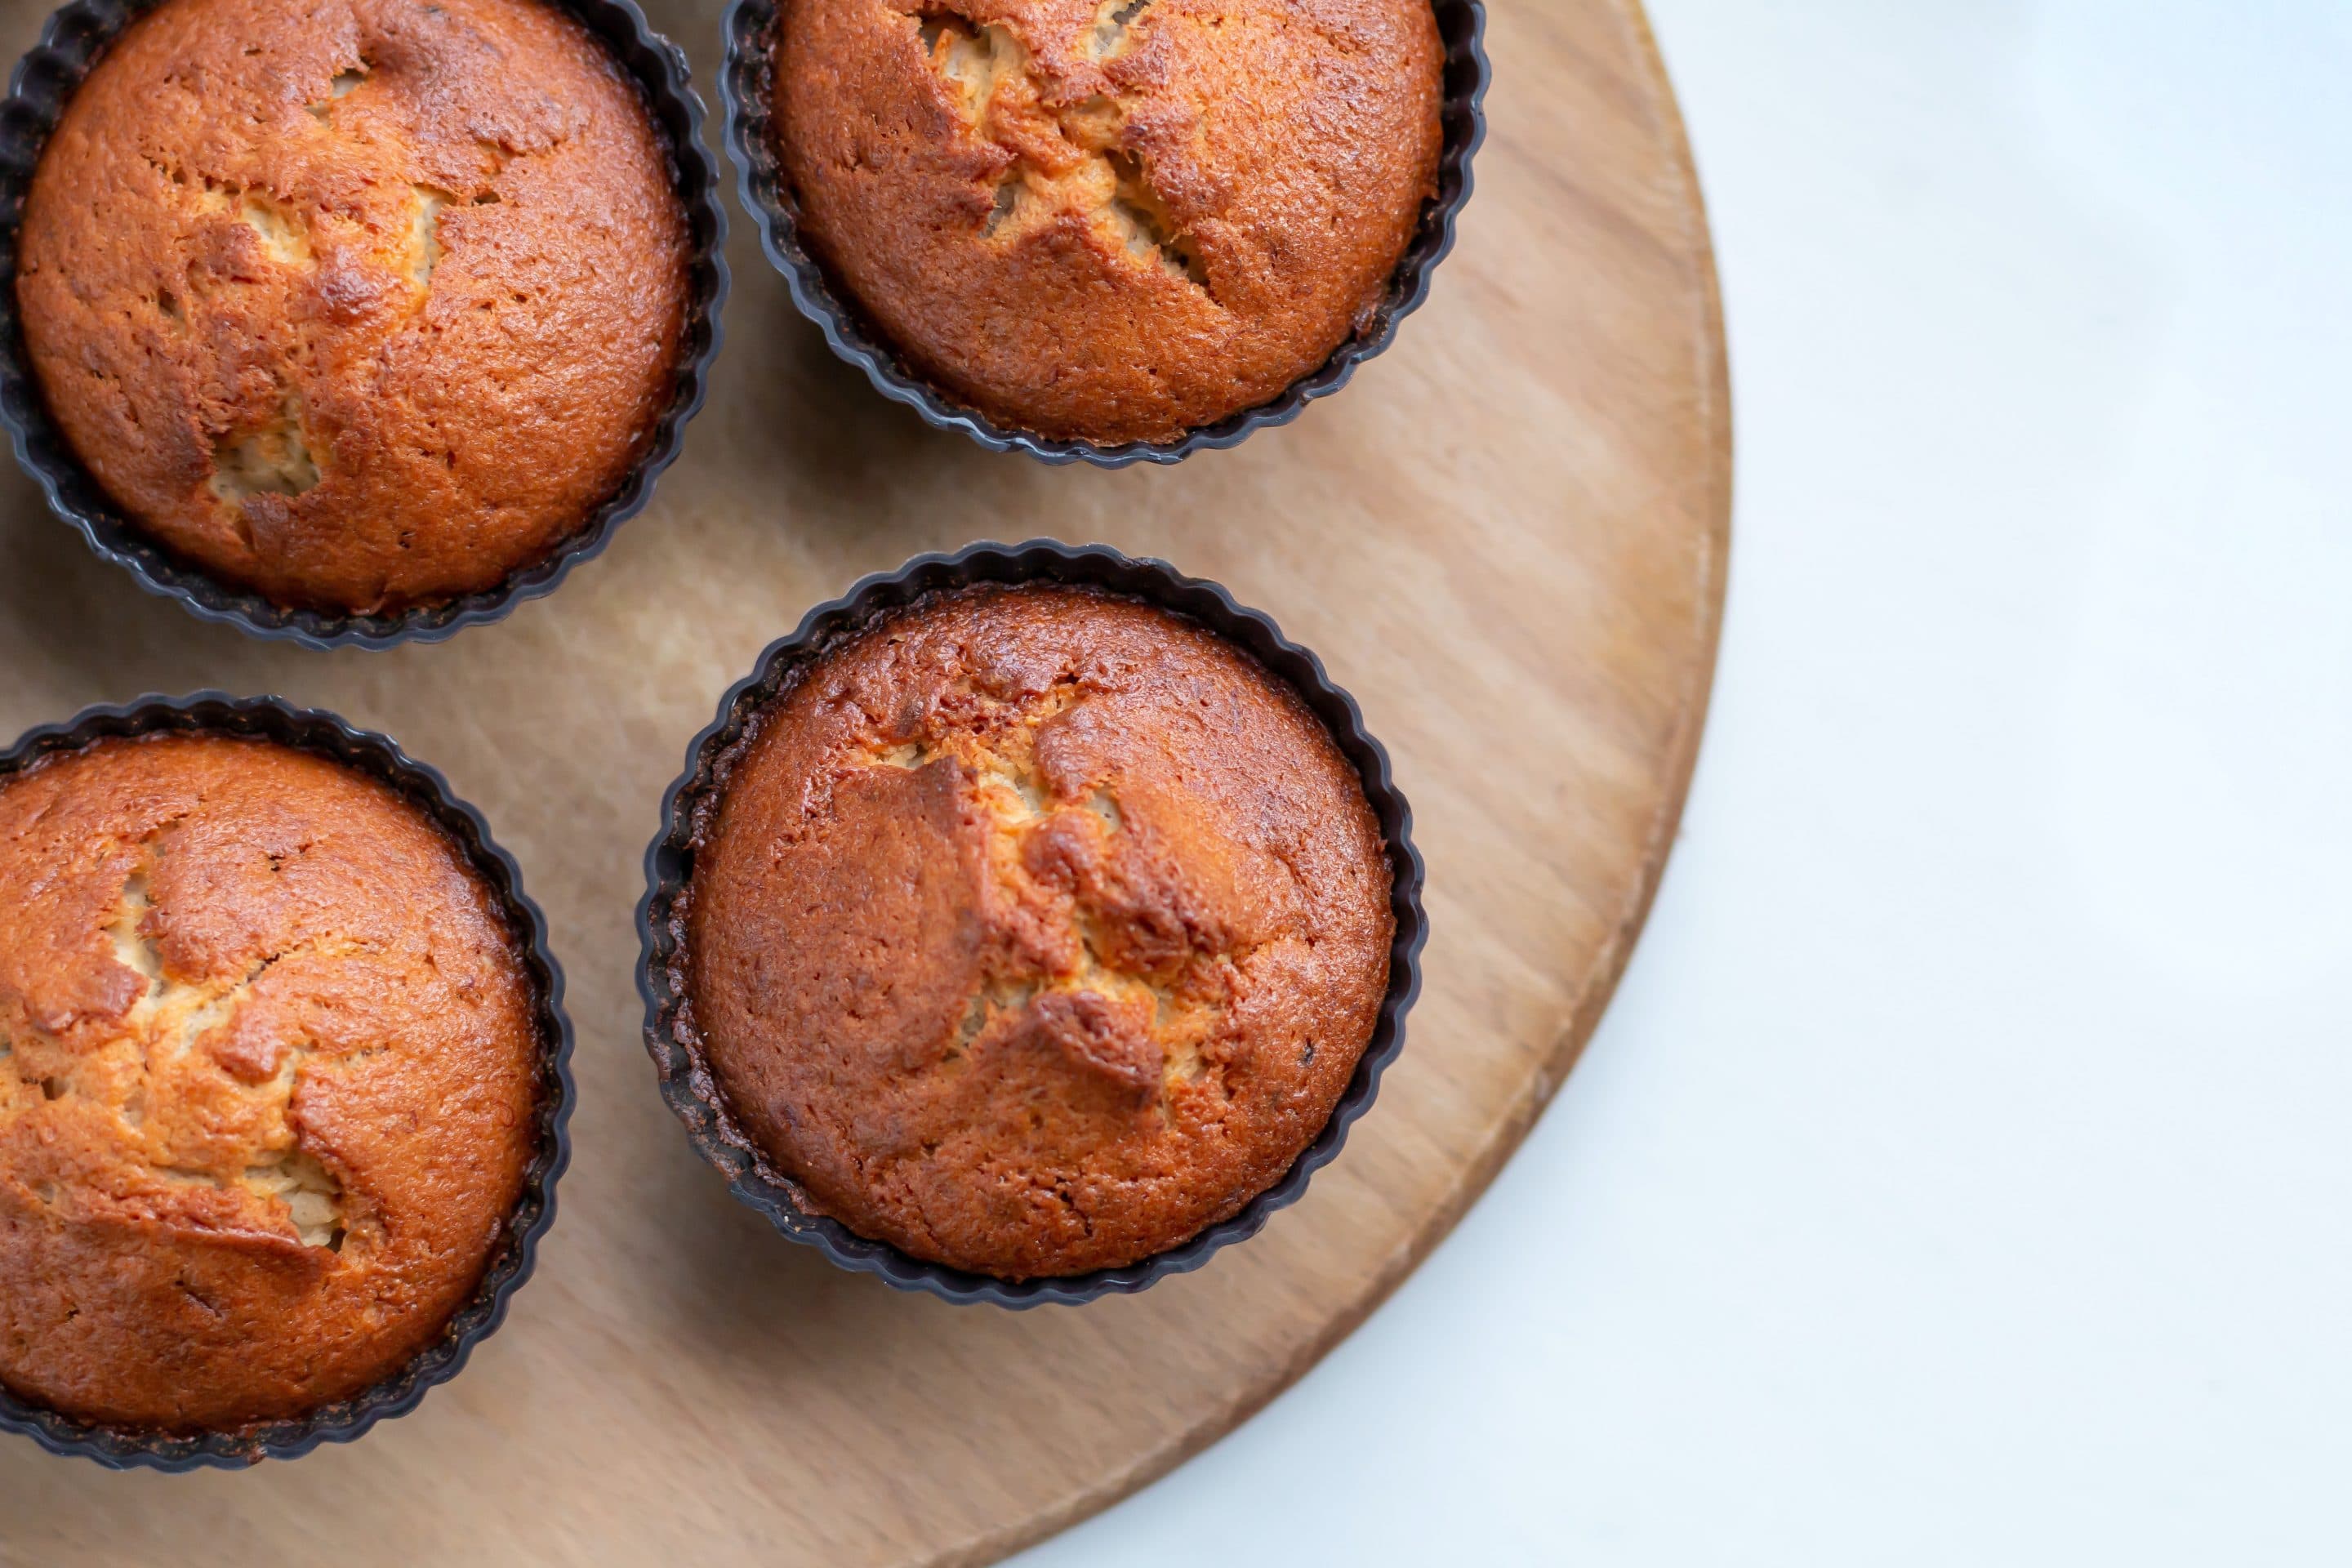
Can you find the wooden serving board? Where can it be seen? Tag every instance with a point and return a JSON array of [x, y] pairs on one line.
[[1507, 537]]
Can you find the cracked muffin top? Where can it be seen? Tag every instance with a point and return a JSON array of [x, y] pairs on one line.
[[359, 304], [1034, 930], [268, 1070], [1109, 220]]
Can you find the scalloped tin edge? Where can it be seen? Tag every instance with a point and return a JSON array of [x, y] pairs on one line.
[[380, 757], [70, 43], [744, 77], [687, 1085]]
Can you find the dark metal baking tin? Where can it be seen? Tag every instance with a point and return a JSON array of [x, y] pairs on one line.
[[687, 1083], [379, 757], [71, 43], [744, 83]]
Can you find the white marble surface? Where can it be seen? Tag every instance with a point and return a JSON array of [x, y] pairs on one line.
[[1964, 1174]]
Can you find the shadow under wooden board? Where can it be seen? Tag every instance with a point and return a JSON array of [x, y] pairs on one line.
[[1507, 537]]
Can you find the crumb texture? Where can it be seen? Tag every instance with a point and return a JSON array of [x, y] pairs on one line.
[[360, 304], [1035, 931], [268, 1062], [1111, 221]]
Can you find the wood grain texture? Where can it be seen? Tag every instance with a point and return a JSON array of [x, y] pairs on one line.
[[1507, 537]]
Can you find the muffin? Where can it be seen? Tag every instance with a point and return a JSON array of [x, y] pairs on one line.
[[1109, 222], [269, 1074], [359, 305], [1033, 930]]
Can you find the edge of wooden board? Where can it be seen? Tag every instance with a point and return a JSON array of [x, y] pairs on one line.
[[1714, 382]]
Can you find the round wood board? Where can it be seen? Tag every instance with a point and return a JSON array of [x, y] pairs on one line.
[[1506, 537]]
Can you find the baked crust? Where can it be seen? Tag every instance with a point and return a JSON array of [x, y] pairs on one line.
[[360, 304], [1035, 929], [1110, 220], [268, 1063]]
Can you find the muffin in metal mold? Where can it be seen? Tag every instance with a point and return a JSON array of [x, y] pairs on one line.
[[71, 44], [747, 83], [510, 1259], [688, 1081]]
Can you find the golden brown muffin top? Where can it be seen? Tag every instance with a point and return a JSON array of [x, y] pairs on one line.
[[269, 1068], [1110, 220], [1035, 929], [359, 304]]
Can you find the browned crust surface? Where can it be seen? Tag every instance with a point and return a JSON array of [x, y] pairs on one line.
[[1037, 929], [360, 304], [1103, 220], [268, 1068]]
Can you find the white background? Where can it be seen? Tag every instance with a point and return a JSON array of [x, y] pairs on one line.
[[1964, 1173]]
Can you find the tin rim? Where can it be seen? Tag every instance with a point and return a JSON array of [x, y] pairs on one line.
[[744, 79], [71, 42], [380, 757], [686, 1083]]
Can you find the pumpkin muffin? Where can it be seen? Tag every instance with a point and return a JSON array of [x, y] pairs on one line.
[[1033, 930], [1109, 220], [269, 1068], [360, 305]]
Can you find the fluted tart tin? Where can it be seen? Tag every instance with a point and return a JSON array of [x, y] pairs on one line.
[[686, 1081], [746, 80], [71, 43], [378, 757]]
